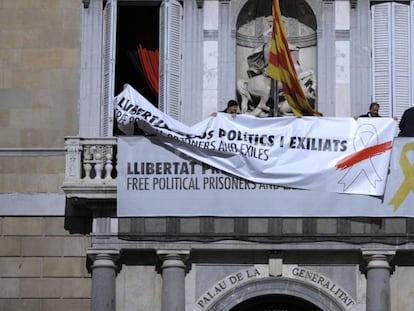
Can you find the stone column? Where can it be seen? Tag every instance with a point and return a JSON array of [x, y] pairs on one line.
[[360, 53], [103, 279], [173, 279], [91, 63], [378, 279], [226, 55], [326, 59], [193, 65]]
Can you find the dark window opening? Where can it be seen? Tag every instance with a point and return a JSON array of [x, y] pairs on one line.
[[138, 27], [137, 48], [276, 303]]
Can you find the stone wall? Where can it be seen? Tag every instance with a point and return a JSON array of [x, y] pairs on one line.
[[39, 76], [39, 90], [42, 266], [32, 174]]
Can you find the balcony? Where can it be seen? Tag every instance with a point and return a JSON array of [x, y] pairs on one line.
[[91, 181], [90, 172]]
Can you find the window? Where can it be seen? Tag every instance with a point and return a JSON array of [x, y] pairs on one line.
[[142, 47], [137, 49], [391, 56]]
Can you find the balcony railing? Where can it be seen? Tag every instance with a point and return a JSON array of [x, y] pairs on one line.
[[90, 171]]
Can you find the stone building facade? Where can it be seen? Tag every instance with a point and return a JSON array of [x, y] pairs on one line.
[[62, 245], [43, 263]]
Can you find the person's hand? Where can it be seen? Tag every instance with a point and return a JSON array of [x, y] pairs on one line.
[[395, 118], [214, 114]]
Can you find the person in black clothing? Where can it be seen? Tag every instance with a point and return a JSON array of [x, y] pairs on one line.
[[406, 124], [232, 108], [373, 111]]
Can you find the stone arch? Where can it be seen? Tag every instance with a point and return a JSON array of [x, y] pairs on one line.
[[276, 286], [237, 6], [253, 32]]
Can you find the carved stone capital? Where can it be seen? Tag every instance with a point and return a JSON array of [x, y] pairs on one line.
[[103, 258], [378, 259], [173, 255], [173, 259]]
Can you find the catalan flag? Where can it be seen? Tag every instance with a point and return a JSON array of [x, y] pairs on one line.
[[281, 67]]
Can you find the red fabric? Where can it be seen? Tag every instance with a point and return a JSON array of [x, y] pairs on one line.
[[363, 154], [281, 66], [150, 65]]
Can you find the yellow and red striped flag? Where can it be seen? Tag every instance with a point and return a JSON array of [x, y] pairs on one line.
[[281, 67]]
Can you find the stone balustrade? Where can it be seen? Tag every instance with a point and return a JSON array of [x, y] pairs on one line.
[[90, 170]]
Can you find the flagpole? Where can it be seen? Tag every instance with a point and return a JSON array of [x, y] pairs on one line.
[[281, 66], [275, 94]]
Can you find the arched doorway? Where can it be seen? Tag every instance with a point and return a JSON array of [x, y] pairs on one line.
[[276, 303], [276, 294]]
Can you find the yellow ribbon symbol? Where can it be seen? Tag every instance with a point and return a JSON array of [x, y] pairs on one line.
[[408, 183]]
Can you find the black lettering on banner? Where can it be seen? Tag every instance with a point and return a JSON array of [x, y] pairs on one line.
[[140, 183], [253, 152], [251, 138], [316, 144], [161, 168], [209, 169], [227, 183], [175, 183]]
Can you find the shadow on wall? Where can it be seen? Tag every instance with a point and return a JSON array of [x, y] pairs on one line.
[[77, 219]]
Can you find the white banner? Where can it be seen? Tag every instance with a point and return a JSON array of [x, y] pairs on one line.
[[155, 180], [340, 155]]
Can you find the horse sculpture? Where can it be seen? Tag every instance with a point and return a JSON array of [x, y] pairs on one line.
[[258, 85]]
